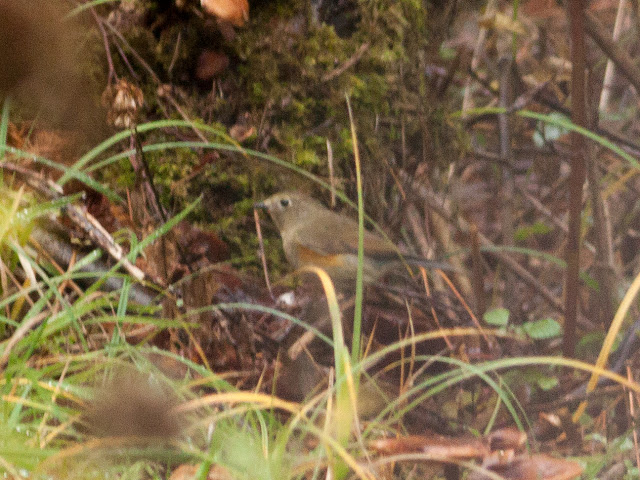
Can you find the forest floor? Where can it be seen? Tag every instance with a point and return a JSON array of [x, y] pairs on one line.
[[152, 325]]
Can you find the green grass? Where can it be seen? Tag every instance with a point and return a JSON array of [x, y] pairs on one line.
[[61, 345]]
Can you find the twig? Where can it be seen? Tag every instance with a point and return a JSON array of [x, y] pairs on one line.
[[137, 56], [475, 59], [605, 272], [349, 63], [263, 119], [626, 350], [92, 227], [462, 59], [537, 204], [332, 179], [418, 231], [20, 332], [84, 220], [476, 268], [107, 49], [434, 313], [627, 144], [42, 185], [125, 59], [576, 14], [609, 71], [632, 412], [491, 344], [185, 116], [256, 217], [175, 53], [508, 188], [462, 225], [143, 169], [622, 60]]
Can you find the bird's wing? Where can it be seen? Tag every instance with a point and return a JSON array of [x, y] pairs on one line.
[[341, 237], [310, 239]]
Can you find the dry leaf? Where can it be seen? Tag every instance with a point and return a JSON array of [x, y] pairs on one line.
[[188, 472], [502, 23], [439, 446], [123, 102], [542, 9], [535, 467], [241, 132], [210, 64], [507, 438], [234, 11]]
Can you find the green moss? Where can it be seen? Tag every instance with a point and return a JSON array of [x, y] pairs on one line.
[[288, 76]]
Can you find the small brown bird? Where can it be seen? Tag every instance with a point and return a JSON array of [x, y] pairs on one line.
[[313, 235]]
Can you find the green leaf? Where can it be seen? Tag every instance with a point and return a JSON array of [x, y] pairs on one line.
[[589, 281], [538, 228], [546, 383], [498, 317], [543, 329], [534, 376]]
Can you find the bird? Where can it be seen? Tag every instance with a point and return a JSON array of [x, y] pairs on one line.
[[313, 235]]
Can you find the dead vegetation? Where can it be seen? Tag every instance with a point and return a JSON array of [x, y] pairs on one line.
[[151, 327]]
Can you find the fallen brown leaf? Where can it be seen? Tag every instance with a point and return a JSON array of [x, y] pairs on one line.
[[234, 11], [241, 132], [507, 438], [535, 467], [440, 446], [210, 64], [188, 472]]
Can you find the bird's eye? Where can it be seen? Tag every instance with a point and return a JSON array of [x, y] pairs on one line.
[[285, 202]]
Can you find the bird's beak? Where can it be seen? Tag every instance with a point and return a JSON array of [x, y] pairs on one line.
[[260, 206]]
